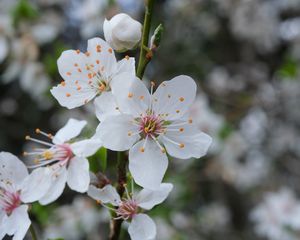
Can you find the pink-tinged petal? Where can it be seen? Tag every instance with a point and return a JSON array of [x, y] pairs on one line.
[[185, 141], [106, 105], [101, 52], [142, 227], [36, 185], [58, 183], [118, 133], [73, 94], [12, 169], [78, 174], [72, 129], [147, 164], [107, 194], [18, 223], [86, 148], [127, 64], [131, 94], [173, 98], [147, 199]]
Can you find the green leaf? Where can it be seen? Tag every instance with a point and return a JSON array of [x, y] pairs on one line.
[[225, 131], [55, 239], [23, 10], [98, 161], [289, 69]]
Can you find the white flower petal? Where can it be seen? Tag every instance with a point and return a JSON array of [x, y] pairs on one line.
[[78, 174], [107, 194], [18, 223], [174, 97], [117, 132], [70, 130], [142, 227], [147, 199], [127, 64], [101, 51], [86, 148], [72, 95], [12, 169], [72, 66], [131, 94], [106, 105], [36, 185], [188, 143], [58, 182], [148, 167]]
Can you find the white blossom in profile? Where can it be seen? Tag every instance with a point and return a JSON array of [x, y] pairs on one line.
[[61, 161]]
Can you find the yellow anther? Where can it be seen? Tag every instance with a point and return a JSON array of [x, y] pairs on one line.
[[142, 97], [129, 134], [181, 145], [142, 149], [97, 61], [127, 57], [47, 155], [190, 120], [177, 111], [87, 54], [68, 95], [181, 129], [63, 83], [79, 70], [181, 99], [37, 131], [75, 65], [163, 150], [69, 73], [50, 135], [77, 51], [27, 137], [130, 95], [25, 153], [152, 83], [110, 50]]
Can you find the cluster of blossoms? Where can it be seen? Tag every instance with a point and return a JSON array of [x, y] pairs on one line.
[[148, 125]]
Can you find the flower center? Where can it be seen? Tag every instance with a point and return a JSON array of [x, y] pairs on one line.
[[151, 125], [52, 154], [9, 200], [127, 209]]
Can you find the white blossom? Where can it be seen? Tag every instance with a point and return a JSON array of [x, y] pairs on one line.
[[61, 162], [277, 217], [141, 226], [89, 74], [14, 219], [149, 125]]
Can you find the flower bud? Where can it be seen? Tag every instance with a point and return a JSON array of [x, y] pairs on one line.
[[122, 32]]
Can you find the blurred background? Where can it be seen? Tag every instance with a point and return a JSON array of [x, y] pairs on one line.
[[245, 57]]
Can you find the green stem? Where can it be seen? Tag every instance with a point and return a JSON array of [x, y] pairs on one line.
[[115, 227], [144, 59], [33, 233]]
